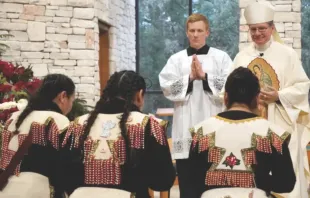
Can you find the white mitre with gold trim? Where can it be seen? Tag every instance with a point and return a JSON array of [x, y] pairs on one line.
[[261, 12]]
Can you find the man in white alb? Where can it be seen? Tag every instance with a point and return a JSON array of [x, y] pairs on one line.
[[193, 79]]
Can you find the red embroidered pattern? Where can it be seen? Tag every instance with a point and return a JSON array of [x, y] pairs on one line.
[[38, 134], [75, 131], [277, 142], [241, 179], [21, 139], [7, 123], [136, 136], [88, 144], [195, 141], [158, 131], [6, 136], [120, 150], [108, 171], [105, 172], [263, 144], [215, 155], [53, 134], [6, 154], [39, 137], [102, 172], [249, 156], [6, 157], [205, 143]]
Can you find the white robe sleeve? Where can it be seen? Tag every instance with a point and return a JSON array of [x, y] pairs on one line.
[[173, 82], [294, 94], [217, 80], [229, 67]]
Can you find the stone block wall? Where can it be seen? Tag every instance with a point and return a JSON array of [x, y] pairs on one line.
[[120, 15], [62, 36], [287, 21]]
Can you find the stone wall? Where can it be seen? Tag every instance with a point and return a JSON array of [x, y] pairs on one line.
[[62, 36], [120, 15], [287, 21]]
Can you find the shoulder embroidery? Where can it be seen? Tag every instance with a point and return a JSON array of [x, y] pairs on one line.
[[75, 131], [158, 131], [145, 121], [136, 133], [277, 141], [204, 142], [264, 143], [192, 131], [39, 138]]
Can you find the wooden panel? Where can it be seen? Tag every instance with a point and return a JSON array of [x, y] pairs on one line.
[[104, 69]]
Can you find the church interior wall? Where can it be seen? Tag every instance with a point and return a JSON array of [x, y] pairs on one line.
[[62, 36]]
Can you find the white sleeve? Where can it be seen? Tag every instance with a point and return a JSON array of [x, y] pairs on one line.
[[217, 80], [173, 82], [294, 94]]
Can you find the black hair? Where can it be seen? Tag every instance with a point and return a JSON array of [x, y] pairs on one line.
[[122, 85], [242, 87], [51, 86]]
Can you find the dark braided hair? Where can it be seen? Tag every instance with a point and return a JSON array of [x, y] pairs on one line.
[[242, 86], [51, 86], [121, 85]]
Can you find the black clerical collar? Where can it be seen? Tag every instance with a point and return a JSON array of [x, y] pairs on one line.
[[204, 50]]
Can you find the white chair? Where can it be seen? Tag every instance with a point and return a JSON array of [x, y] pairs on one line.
[[97, 192]]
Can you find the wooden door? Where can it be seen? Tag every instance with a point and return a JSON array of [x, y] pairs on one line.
[[104, 70]]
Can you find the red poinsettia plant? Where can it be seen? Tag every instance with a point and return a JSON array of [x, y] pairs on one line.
[[16, 82]]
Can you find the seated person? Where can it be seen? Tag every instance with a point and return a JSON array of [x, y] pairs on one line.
[[118, 147], [237, 153], [34, 170]]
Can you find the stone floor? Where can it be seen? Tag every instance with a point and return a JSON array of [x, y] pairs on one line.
[[174, 193]]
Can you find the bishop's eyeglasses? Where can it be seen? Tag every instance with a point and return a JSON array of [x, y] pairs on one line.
[[259, 29]]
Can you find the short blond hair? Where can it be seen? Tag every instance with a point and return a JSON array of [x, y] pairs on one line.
[[197, 17]]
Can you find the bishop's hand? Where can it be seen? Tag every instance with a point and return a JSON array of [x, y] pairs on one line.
[[269, 96]]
